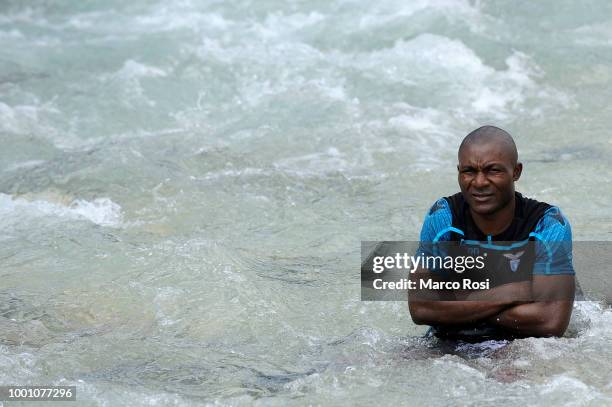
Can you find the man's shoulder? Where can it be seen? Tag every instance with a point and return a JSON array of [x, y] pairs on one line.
[[447, 204], [548, 216], [553, 225], [554, 213], [439, 219], [555, 255], [439, 207]]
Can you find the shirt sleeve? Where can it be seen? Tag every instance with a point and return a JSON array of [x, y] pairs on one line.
[[553, 235], [436, 226]]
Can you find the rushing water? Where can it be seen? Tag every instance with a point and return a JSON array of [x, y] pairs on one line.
[[184, 187]]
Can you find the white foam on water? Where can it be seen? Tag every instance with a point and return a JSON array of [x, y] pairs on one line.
[[421, 120], [594, 35], [11, 35], [281, 56], [87, 21], [104, 394], [16, 367], [482, 347], [254, 93], [127, 80], [594, 319], [277, 25], [508, 90], [132, 69], [433, 128], [172, 17], [428, 134], [455, 366], [425, 58], [236, 173], [101, 211], [384, 12], [330, 160], [24, 165], [91, 143], [254, 53], [467, 87], [43, 119], [472, 88], [168, 306], [22, 119], [569, 391]]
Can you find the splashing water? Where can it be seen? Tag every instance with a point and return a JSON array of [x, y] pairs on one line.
[[184, 186]]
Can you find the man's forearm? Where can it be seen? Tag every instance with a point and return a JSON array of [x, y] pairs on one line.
[[470, 306], [454, 312], [548, 314], [535, 319]]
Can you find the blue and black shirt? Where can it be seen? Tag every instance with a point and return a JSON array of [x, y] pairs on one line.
[[449, 220], [537, 242]]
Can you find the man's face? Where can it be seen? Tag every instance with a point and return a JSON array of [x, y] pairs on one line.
[[486, 176]]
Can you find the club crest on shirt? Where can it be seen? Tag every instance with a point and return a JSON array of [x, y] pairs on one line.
[[514, 259]]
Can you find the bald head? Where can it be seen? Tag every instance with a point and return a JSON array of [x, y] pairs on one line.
[[488, 168], [492, 135]]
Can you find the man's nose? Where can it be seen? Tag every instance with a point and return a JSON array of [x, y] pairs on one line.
[[480, 180]]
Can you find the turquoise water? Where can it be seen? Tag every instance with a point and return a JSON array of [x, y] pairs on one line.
[[184, 187]]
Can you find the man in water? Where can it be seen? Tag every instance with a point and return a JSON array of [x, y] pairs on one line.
[[491, 216]]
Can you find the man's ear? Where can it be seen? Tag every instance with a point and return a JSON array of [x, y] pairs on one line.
[[518, 169]]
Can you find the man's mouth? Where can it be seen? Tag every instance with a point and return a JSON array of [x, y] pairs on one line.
[[480, 197]]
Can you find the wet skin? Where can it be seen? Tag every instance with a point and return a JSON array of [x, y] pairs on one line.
[[486, 174]]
